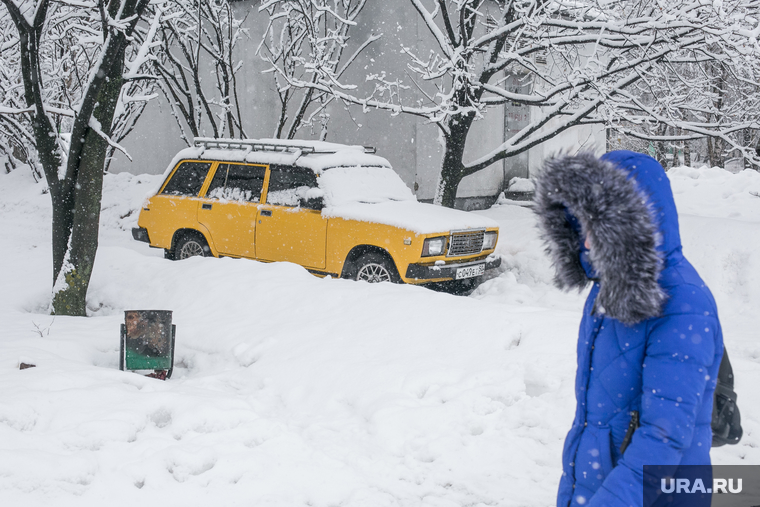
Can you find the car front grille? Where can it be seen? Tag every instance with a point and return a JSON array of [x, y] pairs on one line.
[[466, 243]]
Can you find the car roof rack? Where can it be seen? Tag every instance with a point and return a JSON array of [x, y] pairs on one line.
[[267, 145]]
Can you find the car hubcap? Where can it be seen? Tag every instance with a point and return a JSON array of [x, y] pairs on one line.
[[374, 273], [191, 249]]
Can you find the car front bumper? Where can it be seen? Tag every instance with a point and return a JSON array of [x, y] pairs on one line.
[[140, 234], [448, 271]]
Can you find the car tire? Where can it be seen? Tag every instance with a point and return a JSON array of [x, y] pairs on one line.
[[374, 268], [191, 245]]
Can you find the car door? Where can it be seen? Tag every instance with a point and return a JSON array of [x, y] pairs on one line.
[[176, 205], [228, 208], [288, 230]]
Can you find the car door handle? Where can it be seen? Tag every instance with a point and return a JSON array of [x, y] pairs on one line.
[[206, 206], [266, 213]]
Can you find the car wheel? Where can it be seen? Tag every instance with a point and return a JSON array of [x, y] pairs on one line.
[[374, 268], [190, 245]]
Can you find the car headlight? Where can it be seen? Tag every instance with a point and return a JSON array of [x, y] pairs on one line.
[[434, 246], [489, 240]]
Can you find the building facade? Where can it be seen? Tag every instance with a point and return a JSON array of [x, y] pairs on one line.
[[412, 145]]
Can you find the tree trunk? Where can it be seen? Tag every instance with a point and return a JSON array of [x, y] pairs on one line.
[[63, 218], [451, 175], [301, 112], [48, 150], [70, 294], [746, 141], [715, 146], [452, 168], [661, 149]]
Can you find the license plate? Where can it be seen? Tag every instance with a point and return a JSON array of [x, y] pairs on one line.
[[471, 271]]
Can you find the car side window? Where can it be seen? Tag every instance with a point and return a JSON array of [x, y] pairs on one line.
[[288, 184], [237, 182], [187, 179], [216, 188]]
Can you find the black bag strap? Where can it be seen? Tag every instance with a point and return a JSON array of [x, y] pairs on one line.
[[726, 419], [726, 372]]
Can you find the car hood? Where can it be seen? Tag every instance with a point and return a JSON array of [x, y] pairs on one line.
[[410, 215]]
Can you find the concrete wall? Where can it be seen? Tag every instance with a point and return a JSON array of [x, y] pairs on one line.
[[411, 144]]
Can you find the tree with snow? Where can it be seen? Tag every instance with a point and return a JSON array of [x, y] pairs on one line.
[[575, 64], [16, 138], [305, 42], [72, 61], [66, 56], [199, 38], [712, 100]]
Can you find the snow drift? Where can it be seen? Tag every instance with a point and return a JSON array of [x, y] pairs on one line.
[[294, 390]]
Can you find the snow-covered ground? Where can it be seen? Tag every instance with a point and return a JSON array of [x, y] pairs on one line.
[[292, 390]]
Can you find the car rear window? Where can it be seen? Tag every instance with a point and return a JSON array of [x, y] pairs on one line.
[[237, 182], [187, 179]]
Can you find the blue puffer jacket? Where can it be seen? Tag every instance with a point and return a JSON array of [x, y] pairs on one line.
[[649, 341]]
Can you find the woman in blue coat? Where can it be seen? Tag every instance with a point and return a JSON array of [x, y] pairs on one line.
[[650, 342]]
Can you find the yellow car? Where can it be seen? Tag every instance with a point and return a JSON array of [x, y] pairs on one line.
[[334, 209]]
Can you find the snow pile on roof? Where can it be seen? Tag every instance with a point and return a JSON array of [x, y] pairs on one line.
[[318, 156], [319, 162]]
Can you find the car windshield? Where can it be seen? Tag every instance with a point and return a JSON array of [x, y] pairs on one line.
[[345, 185]]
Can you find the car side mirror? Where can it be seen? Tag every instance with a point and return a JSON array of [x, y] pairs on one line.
[[315, 203]]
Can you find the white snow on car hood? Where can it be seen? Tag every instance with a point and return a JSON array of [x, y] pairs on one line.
[[379, 195], [413, 216], [344, 185]]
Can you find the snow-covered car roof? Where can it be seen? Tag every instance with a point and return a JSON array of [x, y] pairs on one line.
[[314, 155]]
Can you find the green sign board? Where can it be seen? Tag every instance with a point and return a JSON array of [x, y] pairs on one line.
[[147, 342]]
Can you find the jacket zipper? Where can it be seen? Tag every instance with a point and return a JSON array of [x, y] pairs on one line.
[[629, 433], [592, 342]]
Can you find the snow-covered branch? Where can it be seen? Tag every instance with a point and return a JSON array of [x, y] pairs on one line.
[[192, 35], [593, 62], [304, 45], [70, 52]]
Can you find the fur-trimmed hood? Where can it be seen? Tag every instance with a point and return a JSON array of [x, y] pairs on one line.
[[624, 204]]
